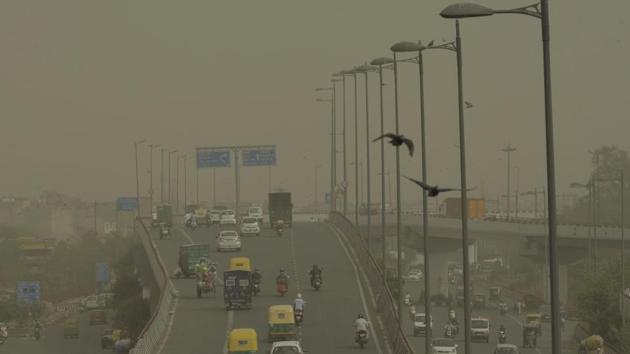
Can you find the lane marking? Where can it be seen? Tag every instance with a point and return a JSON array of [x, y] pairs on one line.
[[357, 270], [294, 261], [228, 328], [185, 234]]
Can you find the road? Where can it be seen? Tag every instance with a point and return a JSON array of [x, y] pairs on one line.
[[52, 341], [202, 324]]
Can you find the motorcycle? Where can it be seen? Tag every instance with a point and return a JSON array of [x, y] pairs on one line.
[[4, 335], [407, 300], [279, 232], [164, 232], [37, 334], [503, 309], [299, 317], [317, 283], [449, 332], [361, 338], [502, 337], [256, 288], [282, 287]]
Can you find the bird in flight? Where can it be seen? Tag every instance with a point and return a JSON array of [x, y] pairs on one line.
[[397, 140], [468, 104], [434, 190]]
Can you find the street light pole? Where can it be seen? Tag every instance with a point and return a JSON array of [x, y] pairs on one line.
[[170, 181], [356, 152], [623, 250], [135, 148], [151, 147], [177, 184], [508, 150], [162, 175], [398, 221], [380, 62], [185, 158], [366, 69]]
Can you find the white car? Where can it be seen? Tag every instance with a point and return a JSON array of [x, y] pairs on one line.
[[286, 347], [480, 329], [444, 346], [228, 241], [419, 324], [228, 217], [256, 212], [249, 226], [91, 303], [414, 275], [215, 216]]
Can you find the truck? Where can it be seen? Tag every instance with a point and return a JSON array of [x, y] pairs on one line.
[[165, 215], [189, 257], [280, 208]]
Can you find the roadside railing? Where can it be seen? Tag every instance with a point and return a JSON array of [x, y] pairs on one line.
[[152, 334], [385, 303]]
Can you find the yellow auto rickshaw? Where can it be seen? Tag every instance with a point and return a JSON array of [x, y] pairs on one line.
[[281, 323], [243, 341], [592, 345], [71, 328], [536, 320], [240, 263]]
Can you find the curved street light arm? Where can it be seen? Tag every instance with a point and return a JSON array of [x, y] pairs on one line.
[[529, 10]]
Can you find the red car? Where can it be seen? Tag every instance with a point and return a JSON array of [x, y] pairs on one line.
[[97, 317]]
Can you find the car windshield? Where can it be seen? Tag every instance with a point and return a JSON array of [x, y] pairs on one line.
[[479, 324], [443, 343], [249, 221], [229, 234], [505, 351], [228, 213], [420, 318], [255, 210]]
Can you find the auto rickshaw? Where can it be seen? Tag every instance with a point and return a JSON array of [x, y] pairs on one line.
[[240, 263], [536, 320], [495, 293], [243, 341], [529, 335], [479, 301], [281, 323], [592, 345], [71, 328]]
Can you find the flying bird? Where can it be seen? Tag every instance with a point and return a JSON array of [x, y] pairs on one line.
[[434, 190], [397, 140], [468, 104], [430, 44]]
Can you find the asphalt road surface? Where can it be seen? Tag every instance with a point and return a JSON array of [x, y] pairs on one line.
[[201, 325]]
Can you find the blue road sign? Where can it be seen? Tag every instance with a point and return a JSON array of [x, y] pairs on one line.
[[259, 157], [102, 272], [213, 158], [28, 292], [126, 203]]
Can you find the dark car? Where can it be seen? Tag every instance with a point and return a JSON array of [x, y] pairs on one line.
[[107, 340], [98, 317]]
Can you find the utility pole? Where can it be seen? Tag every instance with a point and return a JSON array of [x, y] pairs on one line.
[[162, 175], [509, 150]]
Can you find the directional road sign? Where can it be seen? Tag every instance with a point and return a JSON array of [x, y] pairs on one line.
[[259, 157], [28, 292], [126, 203], [213, 158]]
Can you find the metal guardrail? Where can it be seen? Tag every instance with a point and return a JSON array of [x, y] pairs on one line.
[[385, 304], [152, 334]]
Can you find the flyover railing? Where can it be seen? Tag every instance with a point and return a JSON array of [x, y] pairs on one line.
[[385, 303], [152, 334]]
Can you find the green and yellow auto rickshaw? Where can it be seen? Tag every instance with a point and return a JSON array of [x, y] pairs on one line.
[[243, 341], [281, 320]]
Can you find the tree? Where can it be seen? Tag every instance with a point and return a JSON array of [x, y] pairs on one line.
[[598, 301]]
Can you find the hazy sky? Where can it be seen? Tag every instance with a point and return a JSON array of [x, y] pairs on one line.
[[81, 80]]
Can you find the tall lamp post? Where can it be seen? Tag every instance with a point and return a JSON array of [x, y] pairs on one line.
[[151, 147], [343, 74], [380, 62], [541, 11], [508, 150], [332, 145], [170, 181], [162, 175], [135, 148]]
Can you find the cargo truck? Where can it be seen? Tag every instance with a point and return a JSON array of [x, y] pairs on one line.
[[190, 255], [280, 208]]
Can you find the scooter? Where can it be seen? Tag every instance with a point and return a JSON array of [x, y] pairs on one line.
[[282, 288], [502, 337], [164, 232], [299, 317], [361, 338]]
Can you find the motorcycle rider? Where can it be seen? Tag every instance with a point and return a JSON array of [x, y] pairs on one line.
[[452, 319], [256, 276], [315, 272], [298, 303], [407, 299], [37, 329], [449, 330], [4, 333], [502, 334], [361, 325]]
